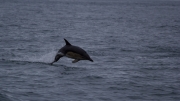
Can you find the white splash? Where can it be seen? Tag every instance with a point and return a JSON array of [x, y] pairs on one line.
[[46, 58]]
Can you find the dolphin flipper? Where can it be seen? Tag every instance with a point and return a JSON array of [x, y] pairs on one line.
[[76, 60]]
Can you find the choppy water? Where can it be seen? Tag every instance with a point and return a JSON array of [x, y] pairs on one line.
[[134, 45]]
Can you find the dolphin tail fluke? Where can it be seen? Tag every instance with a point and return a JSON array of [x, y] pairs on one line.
[[67, 43]]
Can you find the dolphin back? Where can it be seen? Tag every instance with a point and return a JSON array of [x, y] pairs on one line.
[[75, 49]]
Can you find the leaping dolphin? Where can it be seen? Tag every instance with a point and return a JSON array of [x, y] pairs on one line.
[[73, 52]]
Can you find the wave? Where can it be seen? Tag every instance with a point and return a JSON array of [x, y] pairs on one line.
[[4, 97], [7, 96]]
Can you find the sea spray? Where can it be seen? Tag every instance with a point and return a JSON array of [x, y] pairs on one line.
[[46, 58]]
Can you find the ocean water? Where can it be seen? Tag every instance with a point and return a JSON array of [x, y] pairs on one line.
[[135, 45]]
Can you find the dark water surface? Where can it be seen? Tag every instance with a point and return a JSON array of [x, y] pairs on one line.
[[135, 46]]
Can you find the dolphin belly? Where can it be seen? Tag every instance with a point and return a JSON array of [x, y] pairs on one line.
[[74, 55]]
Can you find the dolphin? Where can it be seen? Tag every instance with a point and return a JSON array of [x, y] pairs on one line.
[[73, 52]]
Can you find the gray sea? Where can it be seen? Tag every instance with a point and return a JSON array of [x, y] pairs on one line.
[[135, 45]]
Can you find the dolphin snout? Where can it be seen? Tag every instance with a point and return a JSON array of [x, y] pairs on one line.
[[91, 60]]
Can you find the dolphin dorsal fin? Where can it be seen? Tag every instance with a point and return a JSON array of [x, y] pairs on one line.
[[67, 43]]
